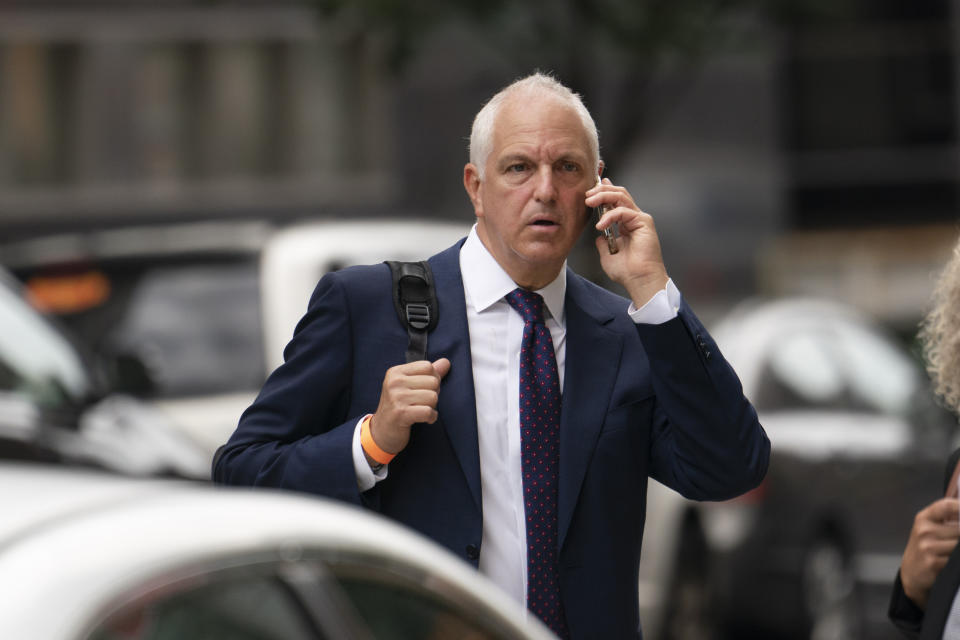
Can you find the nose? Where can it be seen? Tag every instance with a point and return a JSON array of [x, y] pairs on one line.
[[545, 190]]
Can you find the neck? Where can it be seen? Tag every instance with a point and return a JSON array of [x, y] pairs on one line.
[[532, 284], [532, 278]]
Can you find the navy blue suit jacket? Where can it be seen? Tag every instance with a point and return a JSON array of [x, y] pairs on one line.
[[638, 401]]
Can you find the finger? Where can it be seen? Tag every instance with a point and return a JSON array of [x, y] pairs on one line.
[[610, 217], [945, 535], [931, 533], [944, 510], [400, 387], [420, 413], [429, 382], [939, 548], [601, 243], [418, 367], [419, 398], [598, 187], [609, 196], [630, 220], [400, 376], [441, 367]]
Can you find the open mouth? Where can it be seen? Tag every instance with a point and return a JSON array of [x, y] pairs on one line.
[[544, 223]]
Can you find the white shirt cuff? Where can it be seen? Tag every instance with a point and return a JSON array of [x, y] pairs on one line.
[[366, 478], [663, 306]]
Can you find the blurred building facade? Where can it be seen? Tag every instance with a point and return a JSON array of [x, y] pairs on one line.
[[115, 111], [827, 153], [819, 157]]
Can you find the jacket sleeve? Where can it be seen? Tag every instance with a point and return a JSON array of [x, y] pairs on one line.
[[903, 613], [707, 442], [297, 434]]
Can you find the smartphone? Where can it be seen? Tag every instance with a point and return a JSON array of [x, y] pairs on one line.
[[610, 233]]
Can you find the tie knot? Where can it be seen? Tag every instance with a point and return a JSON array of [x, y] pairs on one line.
[[527, 303]]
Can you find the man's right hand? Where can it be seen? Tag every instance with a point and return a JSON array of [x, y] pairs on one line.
[[934, 535], [408, 396]]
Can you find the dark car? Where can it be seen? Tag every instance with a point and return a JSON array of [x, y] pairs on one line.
[[858, 446]]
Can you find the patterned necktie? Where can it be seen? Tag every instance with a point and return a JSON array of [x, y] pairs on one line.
[[540, 456]]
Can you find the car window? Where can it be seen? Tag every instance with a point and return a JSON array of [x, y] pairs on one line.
[[841, 365], [800, 372], [35, 359], [398, 609], [249, 608], [197, 328], [880, 376]]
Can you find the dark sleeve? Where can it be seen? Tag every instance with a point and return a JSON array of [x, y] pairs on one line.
[[707, 442], [949, 467], [297, 434], [907, 616]]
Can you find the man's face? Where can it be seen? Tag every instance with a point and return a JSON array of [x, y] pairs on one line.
[[530, 204]]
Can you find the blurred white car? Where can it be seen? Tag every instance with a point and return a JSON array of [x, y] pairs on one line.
[[97, 557], [858, 446], [199, 313], [295, 258]]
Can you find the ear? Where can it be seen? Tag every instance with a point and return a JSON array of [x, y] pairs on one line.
[[471, 182]]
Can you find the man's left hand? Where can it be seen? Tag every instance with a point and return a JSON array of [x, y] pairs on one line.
[[638, 266]]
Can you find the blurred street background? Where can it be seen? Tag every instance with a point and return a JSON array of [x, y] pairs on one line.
[[150, 152], [784, 146]]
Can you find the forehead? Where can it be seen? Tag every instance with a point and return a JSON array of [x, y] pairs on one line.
[[539, 123]]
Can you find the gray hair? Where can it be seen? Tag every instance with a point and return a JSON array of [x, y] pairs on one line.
[[940, 334], [535, 85]]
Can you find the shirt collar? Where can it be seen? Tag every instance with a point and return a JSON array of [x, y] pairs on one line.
[[485, 282]]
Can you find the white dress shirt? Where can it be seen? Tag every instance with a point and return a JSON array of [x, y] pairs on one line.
[[495, 335]]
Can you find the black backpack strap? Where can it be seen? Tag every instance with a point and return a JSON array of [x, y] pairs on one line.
[[415, 299]]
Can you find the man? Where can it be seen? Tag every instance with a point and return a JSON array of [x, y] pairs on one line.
[[549, 502], [925, 602]]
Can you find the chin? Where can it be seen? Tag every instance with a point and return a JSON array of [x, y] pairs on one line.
[[543, 256]]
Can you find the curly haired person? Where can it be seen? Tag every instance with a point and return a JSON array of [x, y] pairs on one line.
[[926, 602]]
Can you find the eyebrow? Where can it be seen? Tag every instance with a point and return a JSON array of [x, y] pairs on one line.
[[574, 156]]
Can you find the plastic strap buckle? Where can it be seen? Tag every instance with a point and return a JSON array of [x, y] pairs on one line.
[[418, 315]]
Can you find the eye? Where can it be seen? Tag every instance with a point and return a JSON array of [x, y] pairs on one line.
[[569, 167], [517, 167]]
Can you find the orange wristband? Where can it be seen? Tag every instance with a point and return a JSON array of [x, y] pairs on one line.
[[370, 447]]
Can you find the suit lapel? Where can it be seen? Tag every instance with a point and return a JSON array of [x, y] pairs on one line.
[[451, 339], [592, 357]]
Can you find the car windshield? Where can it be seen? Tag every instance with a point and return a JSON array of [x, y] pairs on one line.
[[196, 328], [839, 364]]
